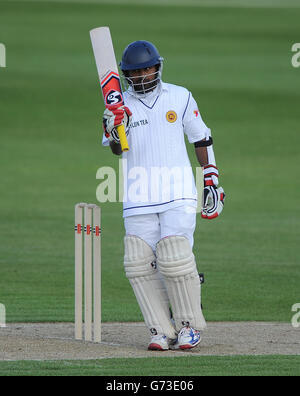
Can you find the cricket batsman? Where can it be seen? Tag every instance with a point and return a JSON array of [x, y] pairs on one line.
[[160, 196]]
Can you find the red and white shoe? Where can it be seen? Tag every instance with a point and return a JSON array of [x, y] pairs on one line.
[[159, 343]]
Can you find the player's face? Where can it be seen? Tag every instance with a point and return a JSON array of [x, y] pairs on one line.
[[143, 80]]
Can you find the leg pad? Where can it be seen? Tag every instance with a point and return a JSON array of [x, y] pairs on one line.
[[176, 262], [149, 289]]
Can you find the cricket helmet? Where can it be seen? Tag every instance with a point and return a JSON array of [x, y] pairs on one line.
[[141, 55]]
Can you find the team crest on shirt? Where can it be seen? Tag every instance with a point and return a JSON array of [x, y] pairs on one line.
[[171, 116]]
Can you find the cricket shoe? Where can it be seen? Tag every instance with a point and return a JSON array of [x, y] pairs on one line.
[[159, 343], [188, 338]]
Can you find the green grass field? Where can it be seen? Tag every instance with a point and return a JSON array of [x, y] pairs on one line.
[[237, 63], [186, 366]]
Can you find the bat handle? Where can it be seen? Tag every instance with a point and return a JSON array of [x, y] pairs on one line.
[[123, 138]]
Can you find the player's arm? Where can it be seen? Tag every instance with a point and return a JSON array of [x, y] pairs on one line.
[[201, 153], [195, 128], [113, 117], [213, 196]]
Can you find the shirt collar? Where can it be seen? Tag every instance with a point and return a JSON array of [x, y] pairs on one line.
[[164, 86]]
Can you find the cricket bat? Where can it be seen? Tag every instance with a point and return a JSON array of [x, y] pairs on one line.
[[108, 74]]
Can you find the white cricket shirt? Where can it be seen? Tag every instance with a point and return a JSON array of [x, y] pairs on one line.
[[157, 171]]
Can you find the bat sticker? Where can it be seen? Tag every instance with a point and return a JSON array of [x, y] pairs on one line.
[[113, 97], [111, 88]]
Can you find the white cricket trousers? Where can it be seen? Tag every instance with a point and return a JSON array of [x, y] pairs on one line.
[[153, 227]]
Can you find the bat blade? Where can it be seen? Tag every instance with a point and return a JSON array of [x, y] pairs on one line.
[[108, 73]]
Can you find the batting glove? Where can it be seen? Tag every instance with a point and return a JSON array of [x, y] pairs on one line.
[[211, 175], [213, 196], [113, 117]]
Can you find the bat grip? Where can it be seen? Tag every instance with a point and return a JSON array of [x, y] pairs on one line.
[[123, 138]]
